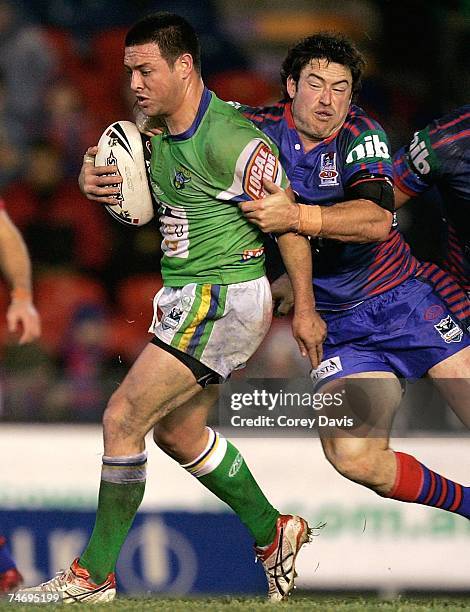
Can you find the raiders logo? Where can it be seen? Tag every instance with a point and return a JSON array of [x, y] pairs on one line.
[[182, 176]]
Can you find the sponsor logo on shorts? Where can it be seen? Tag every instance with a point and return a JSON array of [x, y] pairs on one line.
[[328, 174], [327, 368], [172, 319], [263, 164], [252, 253], [433, 312], [236, 465], [449, 330]]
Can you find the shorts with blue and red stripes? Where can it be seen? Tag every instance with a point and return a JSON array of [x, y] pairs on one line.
[[406, 331]]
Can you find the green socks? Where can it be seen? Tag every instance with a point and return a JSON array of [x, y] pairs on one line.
[[222, 469], [121, 492]]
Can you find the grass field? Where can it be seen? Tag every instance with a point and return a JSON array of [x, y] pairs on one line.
[[233, 604]]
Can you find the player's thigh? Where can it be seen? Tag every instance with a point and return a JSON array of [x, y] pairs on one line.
[[371, 400], [156, 384], [183, 433], [452, 377]]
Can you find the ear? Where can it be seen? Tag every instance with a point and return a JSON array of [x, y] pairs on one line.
[[291, 87], [185, 64]]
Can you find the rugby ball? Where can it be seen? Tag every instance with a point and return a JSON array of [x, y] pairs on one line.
[[121, 146]]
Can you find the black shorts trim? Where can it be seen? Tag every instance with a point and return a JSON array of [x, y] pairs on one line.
[[204, 376]]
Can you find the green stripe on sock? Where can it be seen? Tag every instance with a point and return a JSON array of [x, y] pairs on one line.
[[232, 482]]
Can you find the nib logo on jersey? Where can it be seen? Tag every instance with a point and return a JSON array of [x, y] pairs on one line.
[[370, 146], [422, 154]]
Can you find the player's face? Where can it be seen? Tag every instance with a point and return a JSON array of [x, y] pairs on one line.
[[156, 85], [321, 99]]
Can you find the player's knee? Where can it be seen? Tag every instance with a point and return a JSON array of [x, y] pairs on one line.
[[178, 442], [119, 417], [355, 463], [168, 440]]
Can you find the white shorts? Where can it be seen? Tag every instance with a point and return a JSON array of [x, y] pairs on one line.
[[219, 325]]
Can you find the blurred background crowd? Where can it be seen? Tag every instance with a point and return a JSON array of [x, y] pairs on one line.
[[62, 83]]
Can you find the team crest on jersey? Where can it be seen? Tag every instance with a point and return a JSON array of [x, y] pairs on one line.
[[262, 164], [328, 174], [449, 330], [182, 176]]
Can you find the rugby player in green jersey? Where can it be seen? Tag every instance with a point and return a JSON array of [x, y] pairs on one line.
[[216, 306]]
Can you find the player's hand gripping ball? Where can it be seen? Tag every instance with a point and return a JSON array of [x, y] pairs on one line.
[[121, 145]]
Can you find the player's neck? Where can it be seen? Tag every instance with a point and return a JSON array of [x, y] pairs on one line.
[[309, 143], [183, 116]]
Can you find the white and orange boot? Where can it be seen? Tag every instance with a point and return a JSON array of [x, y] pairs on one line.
[[74, 586], [278, 559]]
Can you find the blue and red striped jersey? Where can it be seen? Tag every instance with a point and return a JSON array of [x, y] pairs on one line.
[[345, 274], [439, 155]]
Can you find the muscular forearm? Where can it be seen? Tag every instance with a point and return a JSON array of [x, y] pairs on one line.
[[14, 259], [296, 254], [353, 221]]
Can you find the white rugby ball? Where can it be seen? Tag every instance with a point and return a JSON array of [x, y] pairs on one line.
[[121, 146]]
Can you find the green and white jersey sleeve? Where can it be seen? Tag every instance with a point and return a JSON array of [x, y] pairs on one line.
[[198, 179]]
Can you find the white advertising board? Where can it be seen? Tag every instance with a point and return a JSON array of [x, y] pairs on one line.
[[368, 542]]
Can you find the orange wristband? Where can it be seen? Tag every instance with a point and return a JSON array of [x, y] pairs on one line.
[[310, 221], [20, 294]]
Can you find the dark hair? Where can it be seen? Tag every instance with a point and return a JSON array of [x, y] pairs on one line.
[[172, 33], [324, 45]]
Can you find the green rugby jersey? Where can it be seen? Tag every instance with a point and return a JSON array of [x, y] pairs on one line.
[[198, 178]]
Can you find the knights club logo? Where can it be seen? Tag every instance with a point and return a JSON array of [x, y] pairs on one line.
[[449, 330], [328, 174]]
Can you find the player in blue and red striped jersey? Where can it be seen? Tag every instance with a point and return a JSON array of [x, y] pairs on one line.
[[10, 577], [439, 155], [384, 319]]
